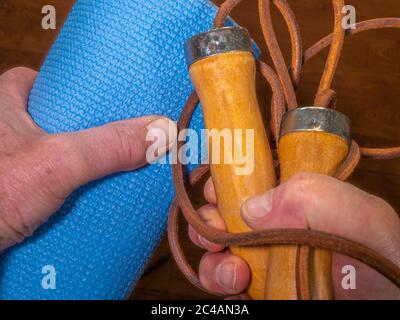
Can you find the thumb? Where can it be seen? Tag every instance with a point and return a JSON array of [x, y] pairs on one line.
[[326, 204], [115, 147]]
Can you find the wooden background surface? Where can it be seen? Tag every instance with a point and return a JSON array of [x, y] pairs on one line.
[[367, 83]]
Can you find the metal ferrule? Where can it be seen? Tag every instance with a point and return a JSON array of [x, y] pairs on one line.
[[316, 119], [217, 41]]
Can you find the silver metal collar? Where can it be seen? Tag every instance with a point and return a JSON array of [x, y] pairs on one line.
[[217, 41], [316, 119]]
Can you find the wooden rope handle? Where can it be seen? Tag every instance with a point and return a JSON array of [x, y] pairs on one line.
[[225, 84], [317, 152]]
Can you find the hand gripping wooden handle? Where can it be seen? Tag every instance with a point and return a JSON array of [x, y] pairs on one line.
[[239, 153], [313, 140]]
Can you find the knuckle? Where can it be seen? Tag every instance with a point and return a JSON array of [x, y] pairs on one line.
[[29, 182], [57, 144], [129, 146], [17, 73], [295, 196], [14, 72], [303, 181], [17, 70], [54, 155], [306, 186], [12, 77]]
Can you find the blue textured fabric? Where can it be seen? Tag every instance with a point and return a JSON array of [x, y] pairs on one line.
[[113, 60]]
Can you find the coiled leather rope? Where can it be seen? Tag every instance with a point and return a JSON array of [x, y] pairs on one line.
[[283, 83]]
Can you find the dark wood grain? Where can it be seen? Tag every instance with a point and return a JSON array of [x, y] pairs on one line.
[[23, 41], [367, 83]]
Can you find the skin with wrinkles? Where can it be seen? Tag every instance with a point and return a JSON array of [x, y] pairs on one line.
[[283, 85]]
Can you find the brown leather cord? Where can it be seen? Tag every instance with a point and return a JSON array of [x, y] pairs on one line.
[[295, 39], [350, 163], [373, 24], [275, 52], [380, 153], [303, 283], [333, 56], [224, 11], [278, 99], [283, 86]]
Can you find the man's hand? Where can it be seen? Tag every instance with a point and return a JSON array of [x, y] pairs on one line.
[[308, 201], [38, 171]]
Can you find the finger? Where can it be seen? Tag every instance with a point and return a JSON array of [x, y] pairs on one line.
[[326, 204], [120, 146], [209, 191], [16, 84], [224, 273], [210, 215]]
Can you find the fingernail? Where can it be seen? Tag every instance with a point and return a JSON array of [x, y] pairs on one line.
[[225, 275], [161, 135], [258, 207]]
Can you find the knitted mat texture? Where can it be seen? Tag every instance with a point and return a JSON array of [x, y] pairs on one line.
[[112, 60]]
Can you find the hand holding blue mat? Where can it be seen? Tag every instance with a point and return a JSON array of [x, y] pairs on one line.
[[113, 60]]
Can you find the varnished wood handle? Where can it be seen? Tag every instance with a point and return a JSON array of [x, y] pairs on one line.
[[317, 152], [225, 84]]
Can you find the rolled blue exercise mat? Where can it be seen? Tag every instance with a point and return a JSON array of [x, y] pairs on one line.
[[112, 60]]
